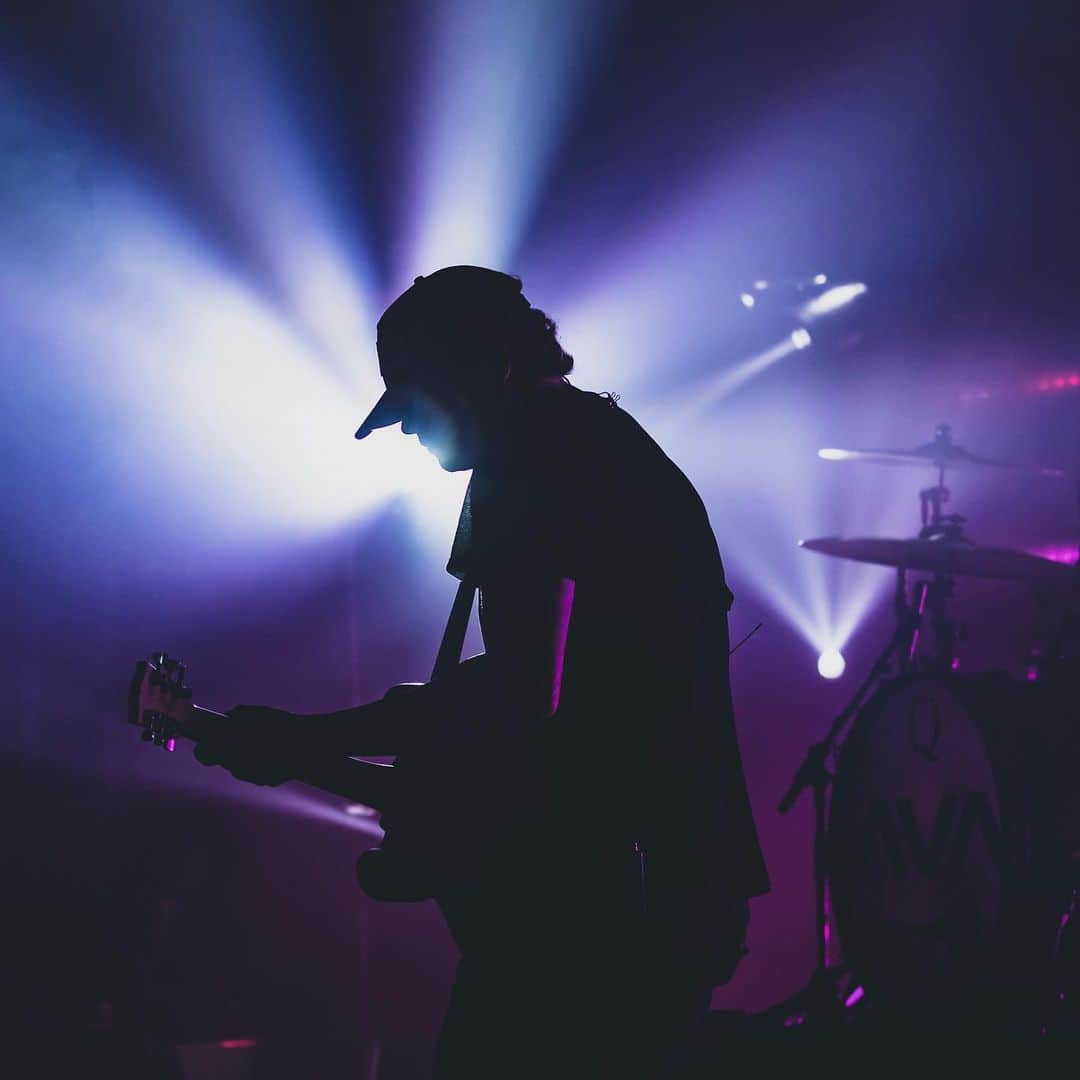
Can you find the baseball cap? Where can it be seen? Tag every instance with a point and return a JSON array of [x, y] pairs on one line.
[[465, 298]]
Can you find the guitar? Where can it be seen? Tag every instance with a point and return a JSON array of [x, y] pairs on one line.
[[160, 703], [416, 860]]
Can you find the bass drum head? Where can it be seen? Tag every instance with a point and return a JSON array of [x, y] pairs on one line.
[[917, 851]]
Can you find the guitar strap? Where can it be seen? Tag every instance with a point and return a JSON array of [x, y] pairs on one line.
[[453, 639]]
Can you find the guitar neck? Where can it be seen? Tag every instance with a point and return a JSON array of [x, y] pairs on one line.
[[358, 781]]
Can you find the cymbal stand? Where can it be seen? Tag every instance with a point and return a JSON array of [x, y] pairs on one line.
[[933, 594], [935, 524], [931, 500], [948, 528], [814, 773]]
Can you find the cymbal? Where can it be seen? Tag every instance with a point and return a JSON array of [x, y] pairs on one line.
[[942, 453], [953, 558], [939, 456]]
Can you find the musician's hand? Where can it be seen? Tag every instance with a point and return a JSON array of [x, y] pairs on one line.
[[256, 745]]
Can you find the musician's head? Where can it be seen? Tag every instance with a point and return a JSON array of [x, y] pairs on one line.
[[454, 349]]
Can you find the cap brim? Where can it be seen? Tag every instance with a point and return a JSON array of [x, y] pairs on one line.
[[387, 411]]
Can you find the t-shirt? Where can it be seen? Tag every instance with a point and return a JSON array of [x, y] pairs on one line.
[[643, 744]]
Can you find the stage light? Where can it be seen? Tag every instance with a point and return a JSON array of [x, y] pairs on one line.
[[825, 601], [801, 339], [240, 407], [1061, 553], [302, 233], [747, 299], [492, 106], [1067, 380], [692, 401], [830, 453], [820, 279], [831, 664], [831, 300]]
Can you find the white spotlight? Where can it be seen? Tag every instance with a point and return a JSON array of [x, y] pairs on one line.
[[831, 300], [820, 279], [747, 300], [801, 338], [831, 664]]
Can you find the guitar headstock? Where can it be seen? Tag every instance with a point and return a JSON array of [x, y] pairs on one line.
[[159, 701]]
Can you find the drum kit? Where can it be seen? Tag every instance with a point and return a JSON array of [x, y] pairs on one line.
[[947, 805]]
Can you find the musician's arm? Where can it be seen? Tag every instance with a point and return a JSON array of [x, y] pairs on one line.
[[516, 684], [518, 680], [406, 717]]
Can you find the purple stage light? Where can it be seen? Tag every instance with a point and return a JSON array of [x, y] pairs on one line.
[[1062, 553], [240, 409], [694, 400], [221, 87], [756, 465], [1068, 380], [489, 117]]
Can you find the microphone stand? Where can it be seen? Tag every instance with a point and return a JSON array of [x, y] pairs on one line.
[[814, 773]]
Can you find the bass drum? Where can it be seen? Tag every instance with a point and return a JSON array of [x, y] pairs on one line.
[[930, 832]]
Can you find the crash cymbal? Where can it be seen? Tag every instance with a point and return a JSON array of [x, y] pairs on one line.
[[942, 453], [928, 455], [949, 557]]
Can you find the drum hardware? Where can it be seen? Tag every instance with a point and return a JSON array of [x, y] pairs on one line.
[[941, 549], [814, 772]]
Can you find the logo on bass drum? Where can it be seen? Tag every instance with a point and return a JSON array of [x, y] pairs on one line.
[[892, 828]]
